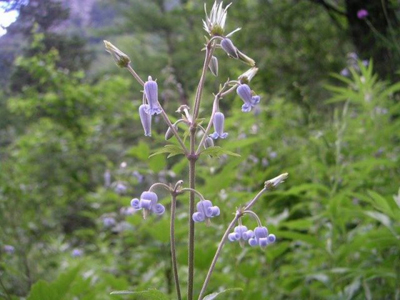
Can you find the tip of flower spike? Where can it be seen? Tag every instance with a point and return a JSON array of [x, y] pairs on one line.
[[276, 181], [121, 59]]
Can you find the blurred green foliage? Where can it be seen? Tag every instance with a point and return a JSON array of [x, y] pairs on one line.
[[336, 218]]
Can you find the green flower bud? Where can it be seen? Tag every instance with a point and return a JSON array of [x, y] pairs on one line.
[[121, 59]]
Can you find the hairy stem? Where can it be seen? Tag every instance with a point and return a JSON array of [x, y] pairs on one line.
[[173, 251], [209, 52], [238, 215], [192, 184], [216, 256]]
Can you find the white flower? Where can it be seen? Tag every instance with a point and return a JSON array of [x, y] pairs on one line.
[[215, 22]]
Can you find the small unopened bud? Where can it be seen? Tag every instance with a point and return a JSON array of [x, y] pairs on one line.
[[229, 48], [214, 66], [121, 59], [209, 142], [243, 57], [169, 134], [274, 182], [247, 76]]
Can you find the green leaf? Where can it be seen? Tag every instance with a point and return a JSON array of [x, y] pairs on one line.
[[151, 294], [58, 289], [217, 151], [140, 151], [215, 295], [172, 150]]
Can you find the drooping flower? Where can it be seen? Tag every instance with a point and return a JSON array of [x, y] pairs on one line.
[[77, 252], [240, 233], [229, 48], [219, 120], [205, 211], [249, 100], [151, 92], [109, 222], [145, 118], [261, 237], [9, 249], [362, 14], [149, 203]]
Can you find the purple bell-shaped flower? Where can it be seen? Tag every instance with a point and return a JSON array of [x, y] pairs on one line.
[[249, 100], [219, 120], [151, 92], [149, 203], [205, 211], [240, 233], [261, 237], [145, 118]]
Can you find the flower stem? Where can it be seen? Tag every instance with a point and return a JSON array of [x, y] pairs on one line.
[[238, 215], [173, 251], [216, 256], [192, 183], [209, 52]]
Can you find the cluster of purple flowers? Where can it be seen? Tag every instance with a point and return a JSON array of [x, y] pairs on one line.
[[205, 211], [258, 237], [149, 203]]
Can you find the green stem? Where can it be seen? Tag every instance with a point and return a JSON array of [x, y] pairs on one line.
[[192, 183], [217, 253], [173, 250]]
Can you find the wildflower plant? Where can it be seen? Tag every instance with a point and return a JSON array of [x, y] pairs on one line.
[[204, 210]]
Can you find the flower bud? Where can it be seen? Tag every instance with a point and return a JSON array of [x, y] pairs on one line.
[[213, 65], [229, 48], [151, 92], [145, 118], [208, 142], [121, 59], [218, 122], [169, 134]]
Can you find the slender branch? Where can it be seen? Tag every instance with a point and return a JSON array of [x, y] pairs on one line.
[[249, 212], [135, 75], [194, 191], [217, 253], [238, 215], [153, 186], [252, 202], [209, 52], [173, 250], [166, 119]]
